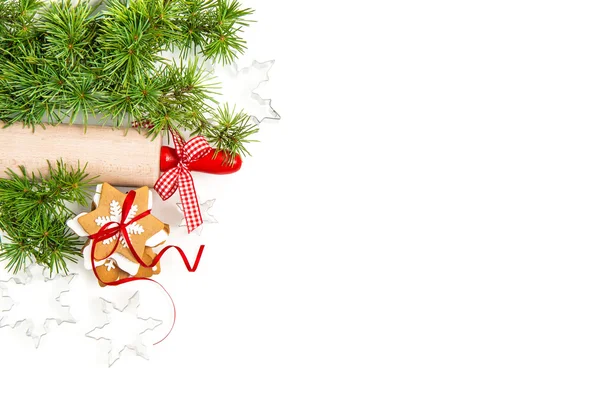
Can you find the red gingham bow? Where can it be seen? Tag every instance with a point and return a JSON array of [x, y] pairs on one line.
[[181, 177]]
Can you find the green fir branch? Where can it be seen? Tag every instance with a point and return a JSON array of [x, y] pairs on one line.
[[229, 131], [66, 59], [33, 215]]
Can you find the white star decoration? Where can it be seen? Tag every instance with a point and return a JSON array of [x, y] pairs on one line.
[[34, 300], [124, 329], [207, 217]]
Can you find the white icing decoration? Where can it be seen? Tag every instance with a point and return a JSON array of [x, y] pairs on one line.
[[97, 195], [157, 238], [76, 227], [125, 264]]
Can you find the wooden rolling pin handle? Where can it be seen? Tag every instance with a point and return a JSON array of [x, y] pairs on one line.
[[210, 163]]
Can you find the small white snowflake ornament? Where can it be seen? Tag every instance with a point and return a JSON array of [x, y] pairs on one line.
[[124, 329]]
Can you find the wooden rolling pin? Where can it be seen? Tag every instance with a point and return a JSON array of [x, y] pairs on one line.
[[116, 156]]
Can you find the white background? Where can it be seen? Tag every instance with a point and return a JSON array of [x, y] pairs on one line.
[[422, 228]]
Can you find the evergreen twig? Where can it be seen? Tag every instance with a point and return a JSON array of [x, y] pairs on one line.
[[33, 216], [229, 132]]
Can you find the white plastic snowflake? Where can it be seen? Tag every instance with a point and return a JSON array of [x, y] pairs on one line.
[[35, 300], [124, 329], [115, 216]]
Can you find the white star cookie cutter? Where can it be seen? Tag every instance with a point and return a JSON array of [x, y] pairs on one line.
[[28, 292], [131, 322], [239, 87], [207, 217]]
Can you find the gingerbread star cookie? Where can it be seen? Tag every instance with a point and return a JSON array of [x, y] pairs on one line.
[[110, 271], [144, 233]]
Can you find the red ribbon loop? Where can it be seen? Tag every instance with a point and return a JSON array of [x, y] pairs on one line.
[[180, 177], [113, 228]]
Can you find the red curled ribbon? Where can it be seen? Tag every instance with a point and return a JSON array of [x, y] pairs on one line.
[[180, 177], [111, 229]]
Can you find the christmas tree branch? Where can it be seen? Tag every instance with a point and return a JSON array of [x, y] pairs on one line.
[[67, 60], [33, 216], [229, 131]]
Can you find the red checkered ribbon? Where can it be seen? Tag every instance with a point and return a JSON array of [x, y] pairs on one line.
[[180, 177]]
